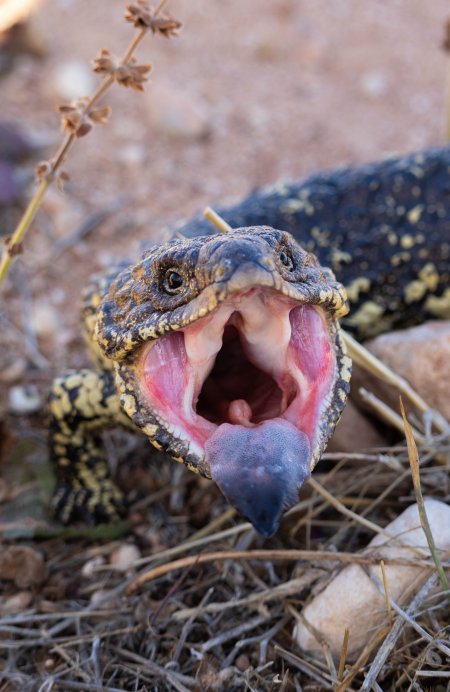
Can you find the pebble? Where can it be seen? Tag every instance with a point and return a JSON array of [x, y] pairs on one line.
[[16, 603], [89, 568], [45, 319], [24, 399], [374, 84], [124, 556], [74, 79], [243, 662], [352, 600], [23, 565], [98, 596], [177, 114]]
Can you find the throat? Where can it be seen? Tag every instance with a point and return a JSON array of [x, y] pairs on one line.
[[237, 391]]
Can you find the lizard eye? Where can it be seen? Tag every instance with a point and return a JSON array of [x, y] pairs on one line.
[[173, 281], [286, 259]]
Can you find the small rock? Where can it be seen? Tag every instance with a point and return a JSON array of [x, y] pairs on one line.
[[352, 600], [13, 370], [124, 556], [45, 319], [16, 603], [24, 399], [177, 114], [73, 79], [24, 566], [132, 154], [97, 598], [89, 568], [243, 662], [421, 355], [354, 432], [374, 83]]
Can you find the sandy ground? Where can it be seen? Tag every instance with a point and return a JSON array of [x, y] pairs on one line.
[[269, 89], [250, 92]]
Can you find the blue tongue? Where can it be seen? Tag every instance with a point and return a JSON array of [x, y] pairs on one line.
[[260, 469]]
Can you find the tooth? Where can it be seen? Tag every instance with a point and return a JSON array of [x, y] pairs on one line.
[[203, 342], [266, 331]]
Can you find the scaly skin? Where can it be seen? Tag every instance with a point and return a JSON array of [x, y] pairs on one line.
[[385, 231]]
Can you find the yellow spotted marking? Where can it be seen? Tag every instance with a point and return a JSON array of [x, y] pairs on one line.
[[339, 258], [356, 287], [415, 213], [366, 315], [342, 396], [439, 306], [400, 257], [392, 238], [428, 274], [150, 429], [129, 404], [321, 237], [415, 291], [407, 241]]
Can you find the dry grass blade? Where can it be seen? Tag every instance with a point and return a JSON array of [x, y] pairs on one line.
[[387, 414], [395, 633], [373, 365], [276, 555], [217, 220], [343, 656], [415, 472], [386, 591]]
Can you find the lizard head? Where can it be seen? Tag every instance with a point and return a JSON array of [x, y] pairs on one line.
[[228, 355]]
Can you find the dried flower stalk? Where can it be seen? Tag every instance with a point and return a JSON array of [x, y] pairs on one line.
[[79, 117]]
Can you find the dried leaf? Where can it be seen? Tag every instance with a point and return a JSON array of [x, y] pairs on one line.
[[143, 16], [100, 114], [132, 75], [105, 63], [13, 249], [166, 26], [42, 170], [139, 13], [83, 129]]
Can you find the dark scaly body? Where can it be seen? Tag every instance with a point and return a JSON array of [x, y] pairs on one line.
[[383, 228], [385, 231]]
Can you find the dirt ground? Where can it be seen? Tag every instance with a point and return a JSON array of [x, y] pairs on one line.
[[250, 92], [268, 90]]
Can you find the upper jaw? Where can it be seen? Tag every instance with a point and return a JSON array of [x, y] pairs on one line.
[[281, 339]]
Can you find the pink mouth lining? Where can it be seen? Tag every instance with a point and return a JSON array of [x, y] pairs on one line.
[[258, 357]]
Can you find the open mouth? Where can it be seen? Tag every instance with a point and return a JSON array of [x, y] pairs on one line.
[[245, 387]]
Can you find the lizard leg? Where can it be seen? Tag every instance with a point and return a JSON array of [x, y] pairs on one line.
[[81, 405]]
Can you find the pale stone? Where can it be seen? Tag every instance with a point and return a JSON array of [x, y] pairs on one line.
[[352, 600], [16, 603], [90, 567], [97, 600], [23, 565], [74, 79], [45, 319], [420, 355], [24, 399], [124, 556]]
